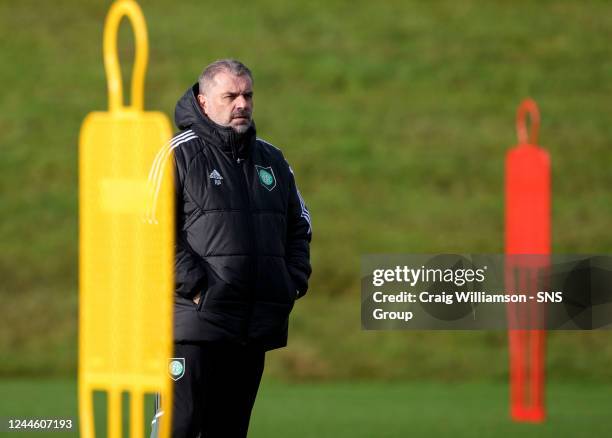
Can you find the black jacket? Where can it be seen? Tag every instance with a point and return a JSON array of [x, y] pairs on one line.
[[242, 233]]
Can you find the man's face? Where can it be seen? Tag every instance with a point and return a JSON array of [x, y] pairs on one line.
[[228, 101]]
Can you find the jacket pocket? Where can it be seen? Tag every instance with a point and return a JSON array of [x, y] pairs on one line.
[[203, 296], [184, 302], [192, 218], [292, 291]]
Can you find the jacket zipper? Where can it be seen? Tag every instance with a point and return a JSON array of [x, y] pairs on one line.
[[245, 186]]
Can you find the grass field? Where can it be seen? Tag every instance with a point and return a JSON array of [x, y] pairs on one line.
[[367, 410]]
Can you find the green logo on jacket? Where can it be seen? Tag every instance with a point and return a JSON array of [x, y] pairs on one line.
[[266, 176], [176, 367]]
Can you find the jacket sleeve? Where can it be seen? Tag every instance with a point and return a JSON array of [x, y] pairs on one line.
[[189, 272], [299, 236]]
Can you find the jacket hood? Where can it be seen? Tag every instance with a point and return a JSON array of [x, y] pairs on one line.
[[188, 115]]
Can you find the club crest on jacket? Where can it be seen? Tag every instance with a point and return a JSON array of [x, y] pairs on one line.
[[176, 367], [266, 177]]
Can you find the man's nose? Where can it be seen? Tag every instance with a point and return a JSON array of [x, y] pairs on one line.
[[241, 102]]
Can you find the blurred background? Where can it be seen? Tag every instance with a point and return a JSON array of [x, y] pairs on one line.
[[396, 117]]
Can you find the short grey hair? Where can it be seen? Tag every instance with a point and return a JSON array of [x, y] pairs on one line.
[[233, 66]]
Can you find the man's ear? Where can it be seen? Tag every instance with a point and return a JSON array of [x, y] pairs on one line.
[[202, 102]]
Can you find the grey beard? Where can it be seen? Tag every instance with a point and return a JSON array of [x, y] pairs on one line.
[[241, 129]]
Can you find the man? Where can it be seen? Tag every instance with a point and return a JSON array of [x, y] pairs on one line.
[[242, 253]]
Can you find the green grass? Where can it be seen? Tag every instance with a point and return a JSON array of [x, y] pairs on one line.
[[396, 117], [368, 410]]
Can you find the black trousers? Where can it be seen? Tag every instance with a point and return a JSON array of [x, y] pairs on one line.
[[215, 395]]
